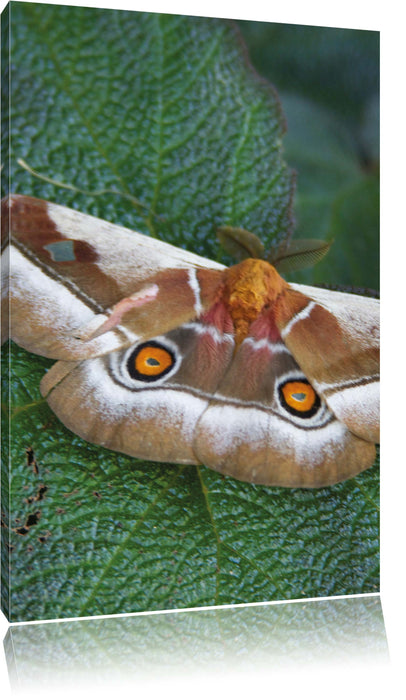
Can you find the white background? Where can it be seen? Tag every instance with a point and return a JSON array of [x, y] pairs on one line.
[[388, 18]]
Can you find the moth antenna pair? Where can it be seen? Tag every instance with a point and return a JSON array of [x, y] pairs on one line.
[[287, 257]]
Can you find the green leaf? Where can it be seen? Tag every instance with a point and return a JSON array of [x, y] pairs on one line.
[[166, 110]]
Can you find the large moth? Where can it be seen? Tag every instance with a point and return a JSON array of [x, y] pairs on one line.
[[167, 356]]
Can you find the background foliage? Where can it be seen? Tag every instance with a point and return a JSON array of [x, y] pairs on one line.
[[166, 111], [328, 83]]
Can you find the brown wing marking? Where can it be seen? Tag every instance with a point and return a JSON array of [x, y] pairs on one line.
[[245, 433], [339, 355]]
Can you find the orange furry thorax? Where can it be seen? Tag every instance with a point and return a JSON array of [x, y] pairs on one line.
[[250, 287]]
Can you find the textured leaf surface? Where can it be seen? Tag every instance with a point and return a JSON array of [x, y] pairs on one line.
[[165, 110]]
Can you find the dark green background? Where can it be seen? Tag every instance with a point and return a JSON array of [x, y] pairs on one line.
[[167, 112], [328, 83]]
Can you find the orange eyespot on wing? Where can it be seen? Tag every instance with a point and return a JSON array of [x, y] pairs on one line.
[[150, 361], [299, 398]]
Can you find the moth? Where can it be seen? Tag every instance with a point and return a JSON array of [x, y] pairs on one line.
[[167, 356]]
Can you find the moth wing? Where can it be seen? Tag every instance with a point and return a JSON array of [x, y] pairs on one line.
[[334, 337], [248, 431], [72, 275], [214, 405], [106, 401]]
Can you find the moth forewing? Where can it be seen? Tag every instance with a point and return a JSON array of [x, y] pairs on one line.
[[335, 339], [54, 297]]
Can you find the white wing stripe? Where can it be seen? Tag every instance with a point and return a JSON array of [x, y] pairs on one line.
[[265, 343], [304, 313], [195, 287]]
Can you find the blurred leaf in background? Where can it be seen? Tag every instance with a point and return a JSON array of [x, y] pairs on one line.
[[328, 83], [165, 111]]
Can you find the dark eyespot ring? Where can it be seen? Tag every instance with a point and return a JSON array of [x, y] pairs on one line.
[[150, 361], [299, 398]]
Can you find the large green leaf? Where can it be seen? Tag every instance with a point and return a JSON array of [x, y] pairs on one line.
[[165, 110]]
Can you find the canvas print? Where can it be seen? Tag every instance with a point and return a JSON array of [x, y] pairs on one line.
[[190, 312]]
